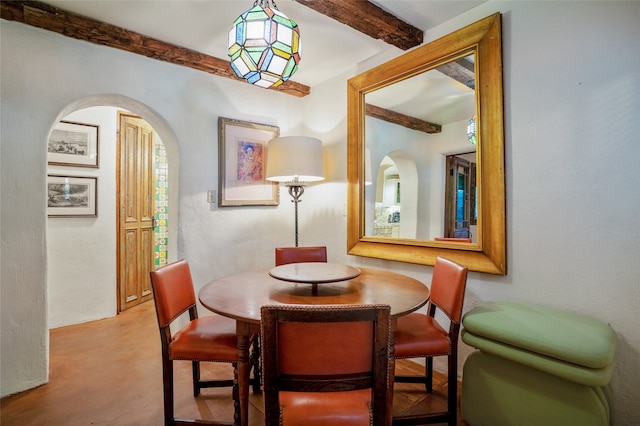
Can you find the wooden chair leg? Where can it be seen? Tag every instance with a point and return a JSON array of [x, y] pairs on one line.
[[450, 416], [167, 386], [195, 367], [255, 363], [429, 374], [199, 384], [235, 393], [452, 391]]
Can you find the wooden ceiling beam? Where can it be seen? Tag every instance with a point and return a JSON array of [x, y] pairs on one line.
[[461, 70], [401, 119], [69, 24], [369, 19]]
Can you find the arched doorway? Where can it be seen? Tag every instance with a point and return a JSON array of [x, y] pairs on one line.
[[81, 269], [396, 196]]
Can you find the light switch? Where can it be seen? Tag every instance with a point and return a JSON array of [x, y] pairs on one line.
[[211, 196]]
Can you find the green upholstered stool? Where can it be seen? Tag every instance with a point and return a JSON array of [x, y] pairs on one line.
[[536, 366]]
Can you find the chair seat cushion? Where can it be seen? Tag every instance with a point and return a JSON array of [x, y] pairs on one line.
[[567, 345], [348, 408], [565, 370], [419, 335], [566, 336], [208, 338]]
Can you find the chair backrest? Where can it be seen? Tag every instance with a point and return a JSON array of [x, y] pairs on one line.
[[173, 291], [285, 255], [453, 239], [327, 348], [448, 286]]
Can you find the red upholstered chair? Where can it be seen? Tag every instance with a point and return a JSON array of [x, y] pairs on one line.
[[326, 365], [420, 335], [210, 338], [285, 255], [453, 240]]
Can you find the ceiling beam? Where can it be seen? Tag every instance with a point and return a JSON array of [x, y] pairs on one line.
[[461, 70], [369, 19], [401, 119], [69, 24]]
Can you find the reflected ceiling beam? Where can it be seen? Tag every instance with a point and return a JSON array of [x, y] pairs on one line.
[[69, 24], [369, 19], [461, 70], [401, 119]]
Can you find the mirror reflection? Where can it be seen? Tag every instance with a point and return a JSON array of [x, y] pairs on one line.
[[420, 136], [425, 153]]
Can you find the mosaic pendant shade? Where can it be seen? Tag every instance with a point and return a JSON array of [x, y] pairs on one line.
[[264, 46]]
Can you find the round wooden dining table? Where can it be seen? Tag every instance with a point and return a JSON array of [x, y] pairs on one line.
[[241, 296]]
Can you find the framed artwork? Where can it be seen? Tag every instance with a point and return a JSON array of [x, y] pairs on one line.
[[72, 196], [74, 144], [242, 158]]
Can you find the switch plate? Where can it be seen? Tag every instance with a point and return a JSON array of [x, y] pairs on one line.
[[211, 196]]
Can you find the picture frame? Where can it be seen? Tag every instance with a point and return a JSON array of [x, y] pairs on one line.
[[72, 196], [74, 144], [242, 162]]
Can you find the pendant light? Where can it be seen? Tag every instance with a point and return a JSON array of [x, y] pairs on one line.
[[264, 45]]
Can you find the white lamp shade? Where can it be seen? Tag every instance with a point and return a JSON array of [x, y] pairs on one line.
[[292, 158]]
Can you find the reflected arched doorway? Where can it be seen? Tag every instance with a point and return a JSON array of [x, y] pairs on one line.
[[396, 203], [81, 265]]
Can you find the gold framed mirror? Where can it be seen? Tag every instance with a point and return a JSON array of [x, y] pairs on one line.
[[479, 44]]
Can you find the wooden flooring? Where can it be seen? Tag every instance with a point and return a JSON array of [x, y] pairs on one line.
[[109, 372]]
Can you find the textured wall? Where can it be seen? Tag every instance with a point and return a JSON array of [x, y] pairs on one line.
[[572, 93]]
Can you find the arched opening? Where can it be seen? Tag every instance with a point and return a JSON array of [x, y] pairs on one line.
[[81, 252], [396, 201]]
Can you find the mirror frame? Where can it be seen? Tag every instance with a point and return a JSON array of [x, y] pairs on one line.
[[484, 39]]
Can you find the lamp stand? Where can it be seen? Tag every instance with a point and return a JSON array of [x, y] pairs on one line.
[[296, 189]]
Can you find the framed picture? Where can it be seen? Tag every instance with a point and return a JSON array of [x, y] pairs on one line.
[[74, 144], [242, 157], [72, 196]]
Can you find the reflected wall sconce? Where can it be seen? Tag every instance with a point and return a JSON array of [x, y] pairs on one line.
[[294, 161], [264, 45]]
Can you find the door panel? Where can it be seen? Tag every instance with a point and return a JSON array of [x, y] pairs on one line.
[[135, 203], [146, 263], [130, 277]]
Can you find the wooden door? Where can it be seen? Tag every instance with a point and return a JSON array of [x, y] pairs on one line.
[[135, 211], [458, 200]]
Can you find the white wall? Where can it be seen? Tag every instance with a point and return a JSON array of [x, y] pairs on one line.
[[572, 96], [81, 252], [46, 76]]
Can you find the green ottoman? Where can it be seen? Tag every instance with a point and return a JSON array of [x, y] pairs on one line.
[[536, 366]]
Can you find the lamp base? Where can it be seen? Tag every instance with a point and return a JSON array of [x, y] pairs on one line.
[[296, 189]]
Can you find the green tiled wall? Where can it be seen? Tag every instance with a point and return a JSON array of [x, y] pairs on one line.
[[162, 206]]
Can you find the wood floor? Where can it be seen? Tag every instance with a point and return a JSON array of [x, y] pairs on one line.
[[109, 372]]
